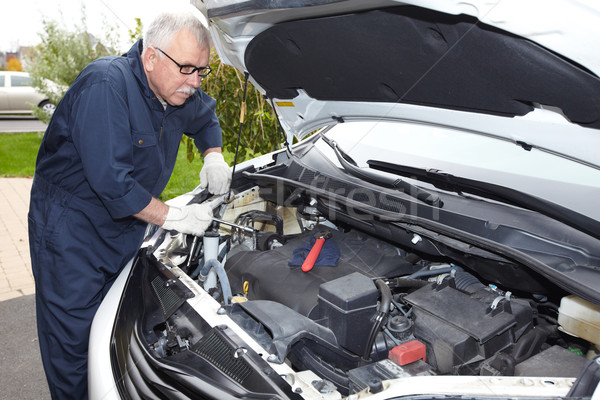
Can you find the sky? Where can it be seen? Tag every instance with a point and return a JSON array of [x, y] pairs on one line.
[[21, 20]]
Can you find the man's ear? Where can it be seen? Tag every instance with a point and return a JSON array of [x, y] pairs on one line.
[[149, 58]]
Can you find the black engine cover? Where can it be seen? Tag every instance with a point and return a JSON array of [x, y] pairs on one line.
[[270, 277]]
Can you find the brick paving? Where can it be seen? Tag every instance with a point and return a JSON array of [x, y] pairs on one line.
[[16, 278]]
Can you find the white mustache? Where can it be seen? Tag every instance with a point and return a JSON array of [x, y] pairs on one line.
[[189, 90]]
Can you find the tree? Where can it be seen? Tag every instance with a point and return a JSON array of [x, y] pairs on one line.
[[62, 55], [136, 33], [260, 130], [13, 64]]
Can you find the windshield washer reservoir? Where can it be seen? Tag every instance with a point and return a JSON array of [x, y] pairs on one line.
[[580, 318]]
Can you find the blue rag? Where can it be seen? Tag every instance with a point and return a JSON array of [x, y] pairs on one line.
[[328, 257]]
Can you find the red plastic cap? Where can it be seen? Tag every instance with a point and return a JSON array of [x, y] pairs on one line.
[[408, 352]]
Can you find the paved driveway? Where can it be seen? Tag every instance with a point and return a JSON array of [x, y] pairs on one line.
[[21, 372]]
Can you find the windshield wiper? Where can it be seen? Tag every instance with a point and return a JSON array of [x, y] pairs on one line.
[[390, 182], [451, 183]]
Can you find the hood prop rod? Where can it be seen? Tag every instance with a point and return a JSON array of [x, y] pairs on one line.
[[237, 147]]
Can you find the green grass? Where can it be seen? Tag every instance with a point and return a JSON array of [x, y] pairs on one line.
[[18, 153], [185, 177]]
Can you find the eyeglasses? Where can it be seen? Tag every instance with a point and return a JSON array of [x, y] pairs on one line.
[[189, 69]]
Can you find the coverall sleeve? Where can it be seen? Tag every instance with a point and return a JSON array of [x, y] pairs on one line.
[[101, 134], [205, 129]]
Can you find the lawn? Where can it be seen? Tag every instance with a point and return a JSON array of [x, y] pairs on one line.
[[18, 153]]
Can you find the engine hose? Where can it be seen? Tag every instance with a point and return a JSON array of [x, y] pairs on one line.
[[467, 282], [220, 257], [433, 272], [221, 274], [196, 272], [224, 251], [386, 296], [384, 309], [409, 283]]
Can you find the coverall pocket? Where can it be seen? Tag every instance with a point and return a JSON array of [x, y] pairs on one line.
[[144, 139], [56, 227], [148, 158], [34, 238]]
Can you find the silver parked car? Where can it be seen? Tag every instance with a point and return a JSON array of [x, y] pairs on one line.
[[433, 234], [17, 95]]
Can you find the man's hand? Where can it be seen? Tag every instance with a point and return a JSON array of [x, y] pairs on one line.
[[193, 219], [215, 174]]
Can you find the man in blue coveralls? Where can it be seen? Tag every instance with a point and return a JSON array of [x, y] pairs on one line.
[[104, 160]]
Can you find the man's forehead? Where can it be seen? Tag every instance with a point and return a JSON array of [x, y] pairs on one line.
[[186, 47]]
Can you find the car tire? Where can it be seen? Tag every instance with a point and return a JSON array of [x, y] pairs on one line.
[[47, 107]]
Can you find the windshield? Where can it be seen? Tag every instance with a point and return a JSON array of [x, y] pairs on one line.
[[474, 156]]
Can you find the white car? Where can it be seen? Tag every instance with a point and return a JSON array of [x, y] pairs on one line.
[[435, 233], [17, 94]]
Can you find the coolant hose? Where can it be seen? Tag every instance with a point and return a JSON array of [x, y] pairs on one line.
[[221, 274], [386, 296], [384, 309], [200, 266]]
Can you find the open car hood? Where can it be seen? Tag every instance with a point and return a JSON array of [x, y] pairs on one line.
[[527, 73]]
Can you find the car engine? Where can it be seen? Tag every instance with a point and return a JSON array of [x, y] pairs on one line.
[[370, 309]]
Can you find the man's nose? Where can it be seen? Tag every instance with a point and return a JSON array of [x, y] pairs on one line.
[[194, 80]]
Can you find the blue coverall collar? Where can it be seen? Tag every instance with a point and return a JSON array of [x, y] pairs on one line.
[[134, 57]]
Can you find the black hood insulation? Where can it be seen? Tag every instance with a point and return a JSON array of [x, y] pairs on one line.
[[417, 56]]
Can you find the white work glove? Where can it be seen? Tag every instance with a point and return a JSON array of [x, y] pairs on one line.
[[215, 174], [193, 219]]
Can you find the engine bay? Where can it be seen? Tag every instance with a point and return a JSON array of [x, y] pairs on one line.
[[368, 309]]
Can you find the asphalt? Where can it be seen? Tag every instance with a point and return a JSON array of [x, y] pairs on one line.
[[20, 124], [21, 372]]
